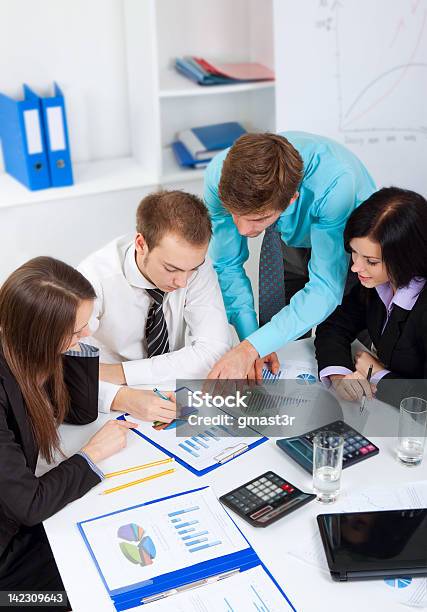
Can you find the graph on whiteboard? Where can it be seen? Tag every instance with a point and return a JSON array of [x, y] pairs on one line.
[[356, 70], [371, 86]]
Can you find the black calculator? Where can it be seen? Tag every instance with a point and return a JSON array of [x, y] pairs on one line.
[[265, 499], [356, 446]]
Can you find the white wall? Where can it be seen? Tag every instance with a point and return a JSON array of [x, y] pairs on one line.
[[68, 229], [215, 29], [80, 44]]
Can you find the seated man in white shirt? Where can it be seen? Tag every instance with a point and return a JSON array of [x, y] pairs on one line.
[[159, 313]]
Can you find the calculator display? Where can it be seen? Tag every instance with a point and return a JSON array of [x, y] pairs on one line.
[[303, 449]]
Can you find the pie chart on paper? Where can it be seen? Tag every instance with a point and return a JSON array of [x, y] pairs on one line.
[[306, 379], [143, 551], [398, 583]]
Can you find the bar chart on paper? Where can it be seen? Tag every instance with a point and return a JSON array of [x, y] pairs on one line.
[[202, 447], [203, 440], [302, 372], [189, 526]]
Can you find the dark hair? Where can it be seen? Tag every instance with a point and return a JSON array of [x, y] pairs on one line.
[[397, 220], [38, 306], [260, 172], [174, 212]]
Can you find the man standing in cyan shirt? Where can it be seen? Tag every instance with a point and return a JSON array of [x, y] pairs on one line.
[[300, 188]]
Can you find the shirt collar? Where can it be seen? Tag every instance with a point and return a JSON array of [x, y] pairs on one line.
[[405, 297], [289, 210], [132, 273]]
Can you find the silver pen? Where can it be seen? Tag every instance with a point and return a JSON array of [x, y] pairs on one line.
[[368, 378]]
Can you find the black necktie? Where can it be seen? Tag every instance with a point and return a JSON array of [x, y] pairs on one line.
[[156, 331]]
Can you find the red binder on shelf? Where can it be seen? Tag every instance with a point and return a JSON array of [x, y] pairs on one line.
[[240, 71]]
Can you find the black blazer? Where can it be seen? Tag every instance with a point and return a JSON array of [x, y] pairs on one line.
[[402, 348], [25, 499]]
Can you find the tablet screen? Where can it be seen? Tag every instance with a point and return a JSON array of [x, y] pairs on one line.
[[375, 541]]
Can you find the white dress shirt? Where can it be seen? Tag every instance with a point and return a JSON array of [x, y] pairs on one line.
[[198, 330]]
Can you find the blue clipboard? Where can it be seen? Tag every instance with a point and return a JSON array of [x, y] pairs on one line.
[[189, 467], [133, 595]]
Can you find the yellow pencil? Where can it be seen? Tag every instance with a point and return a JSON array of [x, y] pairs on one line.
[[139, 467], [135, 482]]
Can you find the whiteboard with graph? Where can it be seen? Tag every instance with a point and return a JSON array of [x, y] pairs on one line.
[[356, 71]]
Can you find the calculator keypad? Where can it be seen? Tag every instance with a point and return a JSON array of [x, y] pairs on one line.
[[261, 495], [355, 445]]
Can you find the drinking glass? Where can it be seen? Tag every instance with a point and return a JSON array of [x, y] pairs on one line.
[[412, 430], [327, 465]]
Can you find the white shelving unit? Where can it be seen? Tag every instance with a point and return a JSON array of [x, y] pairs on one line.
[[174, 85], [125, 104], [94, 177], [234, 31], [149, 101]]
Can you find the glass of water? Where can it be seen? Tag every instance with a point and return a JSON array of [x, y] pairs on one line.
[[327, 465], [412, 430]]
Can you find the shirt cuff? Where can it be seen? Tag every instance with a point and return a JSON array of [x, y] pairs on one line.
[[261, 340], [245, 324], [106, 395], [138, 372], [92, 465], [375, 378], [326, 372], [86, 350]]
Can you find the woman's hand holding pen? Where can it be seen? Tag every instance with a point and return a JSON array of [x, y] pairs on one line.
[[352, 387], [362, 362]]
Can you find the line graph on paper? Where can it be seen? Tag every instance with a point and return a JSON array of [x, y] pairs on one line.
[[381, 87]]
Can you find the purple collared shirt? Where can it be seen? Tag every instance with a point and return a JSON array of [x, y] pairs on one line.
[[405, 298]]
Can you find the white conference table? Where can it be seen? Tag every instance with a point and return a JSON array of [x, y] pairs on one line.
[[307, 586]]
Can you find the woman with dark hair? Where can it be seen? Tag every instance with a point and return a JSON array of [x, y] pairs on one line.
[[387, 239], [46, 378]]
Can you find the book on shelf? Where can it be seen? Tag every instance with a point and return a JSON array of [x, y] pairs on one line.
[[208, 72], [185, 159], [210, 139], [195, 147]]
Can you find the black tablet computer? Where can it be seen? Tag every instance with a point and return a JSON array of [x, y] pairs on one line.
[[363, 545]]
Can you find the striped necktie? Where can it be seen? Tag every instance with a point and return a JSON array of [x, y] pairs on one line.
[[156, 331], [271, 275]]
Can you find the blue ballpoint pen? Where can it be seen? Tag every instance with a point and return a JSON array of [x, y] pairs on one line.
[[164, 397], [160, 394]]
